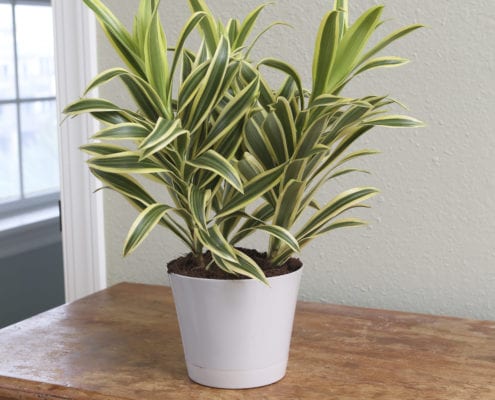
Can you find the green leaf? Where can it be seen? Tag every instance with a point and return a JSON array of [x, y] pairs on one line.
[[351, 45], [342, 6], [141, 23], [395, 121], [327, 42], [216, 163], [143, 225]]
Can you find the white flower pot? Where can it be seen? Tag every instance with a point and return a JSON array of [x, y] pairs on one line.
[[236, 333]]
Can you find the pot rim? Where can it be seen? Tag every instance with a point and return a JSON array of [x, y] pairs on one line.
[[271, 278]]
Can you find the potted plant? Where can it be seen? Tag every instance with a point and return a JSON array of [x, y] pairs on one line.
[[235, 156]]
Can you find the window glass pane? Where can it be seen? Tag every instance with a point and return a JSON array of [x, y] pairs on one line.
[[7, 68], [39, 147], [9, 154], [35, 51]]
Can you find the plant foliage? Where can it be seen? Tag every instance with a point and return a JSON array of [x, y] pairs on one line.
[[235, 155]]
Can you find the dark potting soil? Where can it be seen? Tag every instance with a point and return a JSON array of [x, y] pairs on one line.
[[188, 266]]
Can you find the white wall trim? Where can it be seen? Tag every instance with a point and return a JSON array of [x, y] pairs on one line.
[[82, 210]]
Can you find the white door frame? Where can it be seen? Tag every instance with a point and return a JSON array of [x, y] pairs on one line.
[[82, 209]]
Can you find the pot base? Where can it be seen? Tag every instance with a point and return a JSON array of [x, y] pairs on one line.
[[236, 379]]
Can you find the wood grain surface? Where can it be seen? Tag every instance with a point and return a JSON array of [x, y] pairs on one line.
[[124, 343]]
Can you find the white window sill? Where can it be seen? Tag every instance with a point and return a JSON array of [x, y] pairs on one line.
[[29, 231]]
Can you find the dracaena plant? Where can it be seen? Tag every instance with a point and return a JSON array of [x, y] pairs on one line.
[[235, 155]]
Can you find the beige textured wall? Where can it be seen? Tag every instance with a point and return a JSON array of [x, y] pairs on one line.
[[431, 243]]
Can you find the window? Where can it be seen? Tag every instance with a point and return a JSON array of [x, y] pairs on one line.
[[28, 121]]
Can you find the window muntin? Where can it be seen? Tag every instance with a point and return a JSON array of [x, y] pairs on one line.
[[28, 128]]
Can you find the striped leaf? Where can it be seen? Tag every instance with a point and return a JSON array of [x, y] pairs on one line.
[[142, 22], [346, 171], [338, 205], [356, 154], [164, 133], [245, 266], [258, 144], [125, 131], [231, 114], [282, 235], [381, 62], [327, 42], [247, 26], [101, 149], [189, 88], [208, 26], [143, 225], [289, 70], [206, 97], [216, 163], [273, 130], [214, 241], [394, 121], [141, 91], [258, 217], [124, 162], [342, 7], [285, 117], [351, 45], [89, 105], [388, 40], [118, 36], [253, 189], [198, 199], [232, 29], [193, 21], [155, 59], [341, 223], [124, 184], [248, 267]]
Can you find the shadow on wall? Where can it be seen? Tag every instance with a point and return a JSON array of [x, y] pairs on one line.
[[30, 283]]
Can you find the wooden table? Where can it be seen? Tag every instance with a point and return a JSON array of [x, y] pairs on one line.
[[124, 343]]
